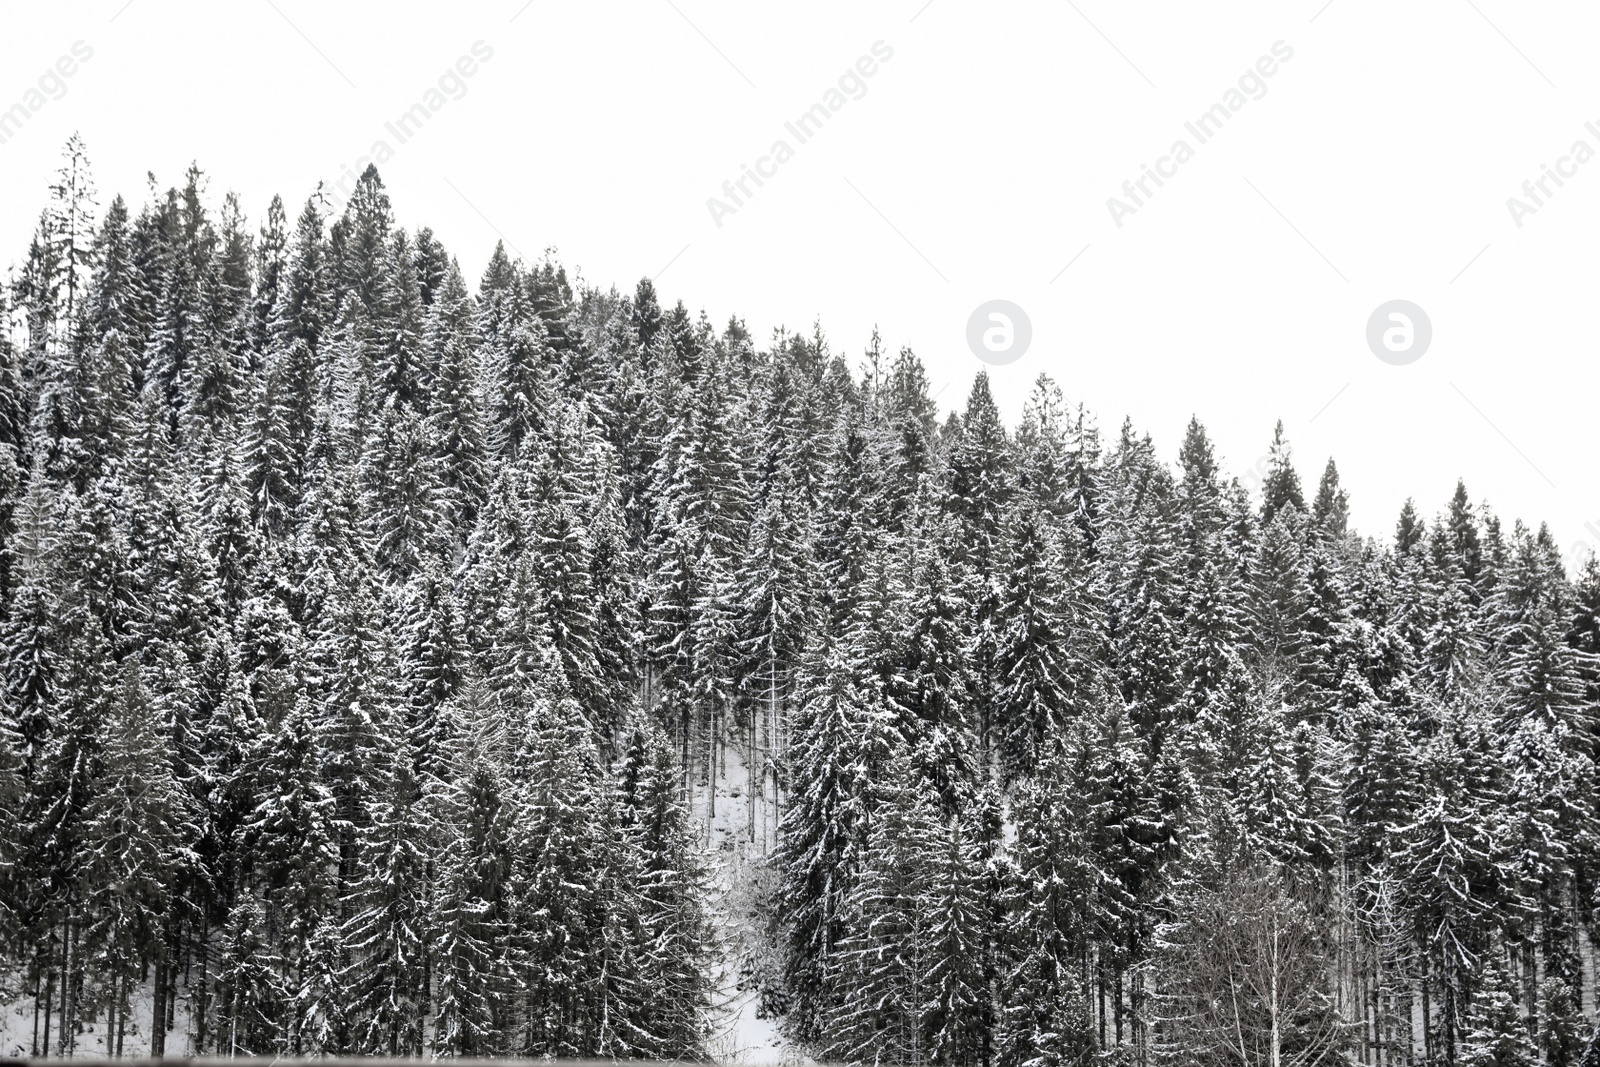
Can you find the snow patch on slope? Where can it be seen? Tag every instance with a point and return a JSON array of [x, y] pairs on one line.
[[739, 882]]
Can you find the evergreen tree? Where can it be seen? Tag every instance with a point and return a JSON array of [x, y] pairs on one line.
[[386, 934], [132, 827], [1281, 489], [673, 955], [885, 959], [1042, 669], [1045, 1017], [843, 738], [250, 993], [472, 905], [958, 935], [1496, 1035]]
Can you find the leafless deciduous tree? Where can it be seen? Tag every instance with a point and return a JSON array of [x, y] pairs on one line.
[[1245, 978]]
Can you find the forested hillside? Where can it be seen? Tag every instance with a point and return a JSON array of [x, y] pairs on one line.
[[375, 641]]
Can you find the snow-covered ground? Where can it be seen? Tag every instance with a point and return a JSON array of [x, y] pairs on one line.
[[97, 1039], [736, 884]]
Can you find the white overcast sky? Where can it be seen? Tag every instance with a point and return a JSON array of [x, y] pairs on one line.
[[976, 166]]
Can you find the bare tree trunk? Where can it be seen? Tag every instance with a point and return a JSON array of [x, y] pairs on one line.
[[235, 1007], [1373, 975], [1412, 996], [172, 987], [688, 757], [426, 1005], [158, 1007], [49, 1002], [1116, 1003], [1427, 1015], [38, 982], [122, 1013], [711, 771], [69, 991], [1100, 991], [201, 1001], [750, 778], [774, 749], [1274, 968], [111, 1014]]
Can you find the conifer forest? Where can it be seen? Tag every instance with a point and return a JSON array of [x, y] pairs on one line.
[[406, 660]]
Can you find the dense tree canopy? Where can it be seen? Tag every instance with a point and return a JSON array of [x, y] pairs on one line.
[[376, 650]]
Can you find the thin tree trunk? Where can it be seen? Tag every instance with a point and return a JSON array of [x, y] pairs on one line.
[[158, 1007], [426, 1000], [201, 1003], [1427, 1016], [172, 989], [49, 1007], [1100, 994], [68, 993], [1273, 965], [750, 780], [1379, 1035], [122, 1012], [688, 757], [1452, 1010], [772, 746], [38, 984], [1411, 1021]]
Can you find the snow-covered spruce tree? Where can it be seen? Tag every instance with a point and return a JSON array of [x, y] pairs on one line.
[[775, 603], [1457, 880], [960, 934], [291, 837], [978, 486], [884, 961], [132, 829], [673, 926], [1140, 583], [1045, 993], [472, 905], [570, 903], [386, 938], [843, 738], [1042, 663], [1496, 1034], [250, 991], [933, 685]]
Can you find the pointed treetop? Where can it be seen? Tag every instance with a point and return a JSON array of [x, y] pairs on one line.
[[1331, 510], [1282, 486]]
